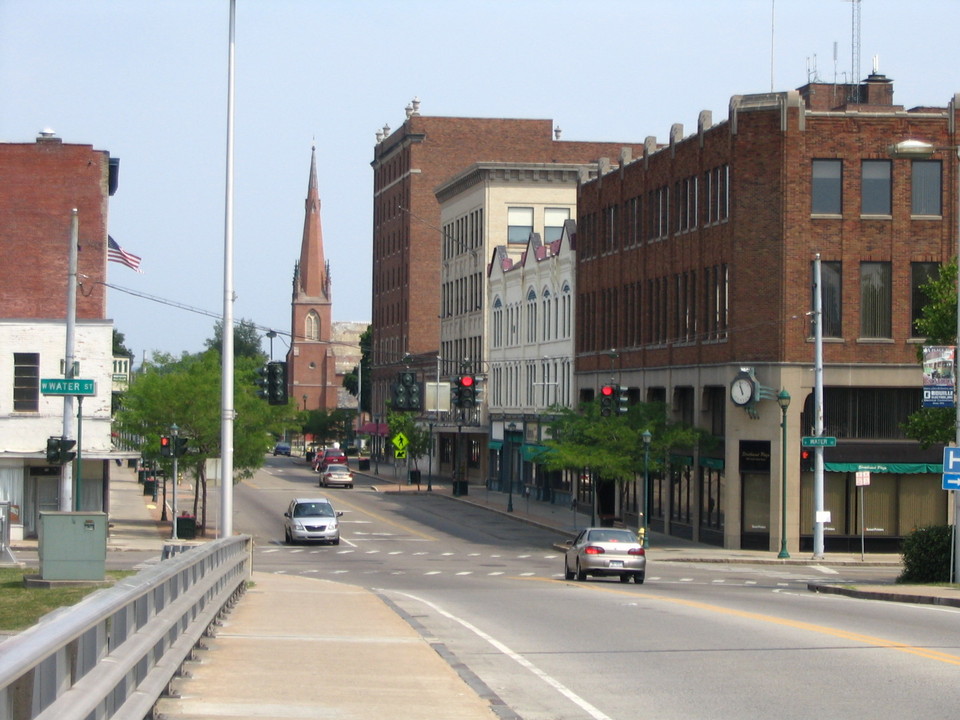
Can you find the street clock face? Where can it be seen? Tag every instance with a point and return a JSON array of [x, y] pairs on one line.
[[741, 390]]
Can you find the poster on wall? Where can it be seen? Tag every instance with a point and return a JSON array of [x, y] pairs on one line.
[[938, 375]]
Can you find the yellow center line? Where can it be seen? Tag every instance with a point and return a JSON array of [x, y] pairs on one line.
[[796, 624]]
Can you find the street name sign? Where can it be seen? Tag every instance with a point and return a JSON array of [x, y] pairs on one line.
[[818, 441], [68, 386]]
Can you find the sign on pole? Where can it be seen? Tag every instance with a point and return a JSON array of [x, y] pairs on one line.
[[951, 468], [68, 386], [818, 441]]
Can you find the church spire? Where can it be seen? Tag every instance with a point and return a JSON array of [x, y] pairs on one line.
[[313, 269]]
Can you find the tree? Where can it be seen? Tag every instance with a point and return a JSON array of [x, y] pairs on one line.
[[938, 324], [364, 370], [326, 425], [119, 345], [187, 392], [246, 340]]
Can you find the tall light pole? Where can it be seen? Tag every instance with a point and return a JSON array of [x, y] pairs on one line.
[[783, 400], [920, 150], [647, 437]]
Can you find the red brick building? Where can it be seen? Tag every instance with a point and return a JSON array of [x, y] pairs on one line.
[[695, 264], [408, 165]]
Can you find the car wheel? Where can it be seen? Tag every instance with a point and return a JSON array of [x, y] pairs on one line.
[[638, 578], [350, 486], [624, 578], [581, 575], [337, 541], [567, 572], [289, 539]]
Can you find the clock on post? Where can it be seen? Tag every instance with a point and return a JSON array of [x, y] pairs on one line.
[[744, 388]]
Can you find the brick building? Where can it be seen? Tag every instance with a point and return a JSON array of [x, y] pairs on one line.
[[43, 182], [695, 262], [409, 164]]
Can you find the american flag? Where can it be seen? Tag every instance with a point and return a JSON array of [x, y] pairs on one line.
[[115, 253]]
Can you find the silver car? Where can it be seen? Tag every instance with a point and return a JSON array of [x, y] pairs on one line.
[[605, 551], [336, 475], [311, 519]]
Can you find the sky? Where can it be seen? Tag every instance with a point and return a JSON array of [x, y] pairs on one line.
[[146, 81]]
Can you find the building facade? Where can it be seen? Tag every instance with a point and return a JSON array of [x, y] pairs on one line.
[[44, 182], [409, 164], [696, 263]]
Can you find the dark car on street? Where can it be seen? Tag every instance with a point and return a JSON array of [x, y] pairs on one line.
[[281, 448]]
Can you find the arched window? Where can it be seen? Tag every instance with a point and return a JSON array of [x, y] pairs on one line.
[[531, 316], [546, 313], [497, 322], [311, 330]]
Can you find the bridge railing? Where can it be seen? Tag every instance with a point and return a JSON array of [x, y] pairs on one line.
[[112, 655]]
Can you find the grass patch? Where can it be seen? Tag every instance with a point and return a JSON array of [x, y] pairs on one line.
[[21, 607]]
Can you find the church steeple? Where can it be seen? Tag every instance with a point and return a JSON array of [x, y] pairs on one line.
[[313, 273]]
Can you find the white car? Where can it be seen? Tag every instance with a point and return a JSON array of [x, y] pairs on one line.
[[311, 520], [336, 475], [605, 551]]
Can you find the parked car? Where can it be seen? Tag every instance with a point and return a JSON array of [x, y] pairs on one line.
[[605, 551], [336, 475], [330, 456], [281, 449], [311, 519]]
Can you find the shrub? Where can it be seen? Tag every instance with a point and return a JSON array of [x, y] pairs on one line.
[[926, 555]]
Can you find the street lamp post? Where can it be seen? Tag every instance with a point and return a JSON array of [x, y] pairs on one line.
[[647, 437], [783, 400], [921, 150]]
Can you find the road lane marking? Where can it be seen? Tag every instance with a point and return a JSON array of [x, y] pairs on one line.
[[774, 620], [592, 711]]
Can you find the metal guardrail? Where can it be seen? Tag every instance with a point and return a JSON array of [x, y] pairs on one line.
[[113, 655]]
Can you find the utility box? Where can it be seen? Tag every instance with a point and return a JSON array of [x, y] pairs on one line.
[[73, 545]]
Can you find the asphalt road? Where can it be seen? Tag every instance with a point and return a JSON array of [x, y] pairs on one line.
[[695, 641]]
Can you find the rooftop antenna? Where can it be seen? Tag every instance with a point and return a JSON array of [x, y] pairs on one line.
[[855, 51]]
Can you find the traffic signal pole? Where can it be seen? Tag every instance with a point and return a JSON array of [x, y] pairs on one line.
[[67, 502]]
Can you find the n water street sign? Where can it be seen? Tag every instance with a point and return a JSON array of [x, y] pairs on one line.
[[68, 386], [818, 441]]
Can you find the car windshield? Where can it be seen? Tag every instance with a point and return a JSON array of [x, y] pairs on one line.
[[612, 536], [313, 509]]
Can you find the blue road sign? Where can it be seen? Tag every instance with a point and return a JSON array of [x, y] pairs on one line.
[[951, 468]]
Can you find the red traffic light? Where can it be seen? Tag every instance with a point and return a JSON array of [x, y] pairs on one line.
[[466, 381], [607, 390]]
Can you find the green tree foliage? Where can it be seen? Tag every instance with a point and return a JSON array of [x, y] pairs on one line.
[[417, 435], [612, 447], [328, 425], [363, 370], [246, 340], [926, 555], [187, 392], [119, 345], [938, 324]]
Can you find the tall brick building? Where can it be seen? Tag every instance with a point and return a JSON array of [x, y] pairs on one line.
[[43, 182], [408, 165], [695, 263]]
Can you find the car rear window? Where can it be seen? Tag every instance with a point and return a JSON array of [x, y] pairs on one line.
[[614, 536]]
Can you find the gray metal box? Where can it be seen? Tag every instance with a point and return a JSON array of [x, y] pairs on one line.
[[73, 545]]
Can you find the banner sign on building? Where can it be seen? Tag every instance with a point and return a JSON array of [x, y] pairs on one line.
[[939, 378]]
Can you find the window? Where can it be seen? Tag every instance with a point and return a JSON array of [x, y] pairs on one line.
[[920, 274], [519, 224], [26, 382], [875, 187], [531, 316], [826, 187], [875, 300], [553, 220], [831, 299], [925, 187], [312, 326]]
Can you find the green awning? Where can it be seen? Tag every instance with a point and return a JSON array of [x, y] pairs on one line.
[[901, 468], [494, 444]]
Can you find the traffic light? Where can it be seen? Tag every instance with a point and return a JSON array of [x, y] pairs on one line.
[[608, 396], [623, 399], [66, 451], [277, 383], [53, 450], [166, 446], [806, 459], [407, 392], [180, 446], [466, 391], [263, 381]]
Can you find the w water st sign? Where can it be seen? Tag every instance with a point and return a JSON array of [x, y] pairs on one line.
[[68, 386]]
